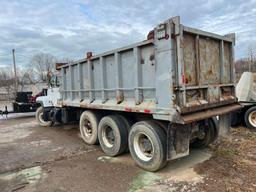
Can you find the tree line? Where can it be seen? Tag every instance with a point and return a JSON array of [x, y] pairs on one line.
[[40, 65]]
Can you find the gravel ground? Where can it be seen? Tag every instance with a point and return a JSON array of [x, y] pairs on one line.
[[34, 158]]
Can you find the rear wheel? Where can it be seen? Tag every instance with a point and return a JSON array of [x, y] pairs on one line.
[[250, 118], [128, 124], [207, 134], [113, 135], [89, 127], [39, 118], [147, 144]]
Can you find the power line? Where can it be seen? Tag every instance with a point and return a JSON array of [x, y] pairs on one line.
[[24, 55], [20, 54], [1, 55]]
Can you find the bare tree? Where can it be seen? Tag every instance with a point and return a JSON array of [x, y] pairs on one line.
[[27, 76], [252, 56], [65, 60], [43, 63], [7, 80]]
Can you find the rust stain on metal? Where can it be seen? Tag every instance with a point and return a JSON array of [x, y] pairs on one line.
[[195, 108], [59, 65], [119, 98], [152, 57], [202, 65], [89, 55], [151, 35], [189, 59], [210, 113], [90, 106]]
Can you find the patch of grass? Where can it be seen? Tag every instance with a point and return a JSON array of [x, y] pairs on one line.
[[143, 179], [227, 153]]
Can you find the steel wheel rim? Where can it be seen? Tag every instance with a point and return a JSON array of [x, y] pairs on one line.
[[87, 129], [40, 116], [108, 136], [252, 118], [202, 134], [143, 146]]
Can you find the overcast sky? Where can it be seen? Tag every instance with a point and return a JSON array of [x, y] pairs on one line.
[[70, 28]]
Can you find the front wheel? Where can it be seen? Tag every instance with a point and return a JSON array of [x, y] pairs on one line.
[[39, 118], [147, 144], [250, 118]]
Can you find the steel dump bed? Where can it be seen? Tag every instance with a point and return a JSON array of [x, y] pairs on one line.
[[178, 71]]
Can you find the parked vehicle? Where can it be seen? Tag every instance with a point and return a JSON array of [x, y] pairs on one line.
[[155, 98], [24, 102], [245, 92]]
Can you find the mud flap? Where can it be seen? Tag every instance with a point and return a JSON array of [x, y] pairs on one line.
[[57, 115], [46, 113], [64, 116], [224, 124], [216, 127], [178, 137]]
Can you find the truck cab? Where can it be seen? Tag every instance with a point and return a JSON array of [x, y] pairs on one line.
[[48, 101]]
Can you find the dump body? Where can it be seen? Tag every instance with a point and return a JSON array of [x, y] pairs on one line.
[[180, 71]]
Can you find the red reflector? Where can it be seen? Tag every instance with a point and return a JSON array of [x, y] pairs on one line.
[[173, 36], [89, 55], [183, 78], [147, 111], [128, 109]]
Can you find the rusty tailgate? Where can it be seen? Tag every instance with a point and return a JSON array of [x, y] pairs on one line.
[[206, 70]]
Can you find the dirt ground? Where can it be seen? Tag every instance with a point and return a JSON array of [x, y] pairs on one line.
[[34, 158]]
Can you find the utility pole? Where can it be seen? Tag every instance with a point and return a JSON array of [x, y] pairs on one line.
[[15, 71], [251, 61]]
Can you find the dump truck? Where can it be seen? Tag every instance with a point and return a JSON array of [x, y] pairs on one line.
[[155, 98]]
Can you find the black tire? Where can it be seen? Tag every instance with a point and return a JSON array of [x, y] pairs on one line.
[[113, 135], [88, 125], [128, 124], [39, 118], [211, 134], [164, 125], [216, 128], [250, 118], [155, 157]]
